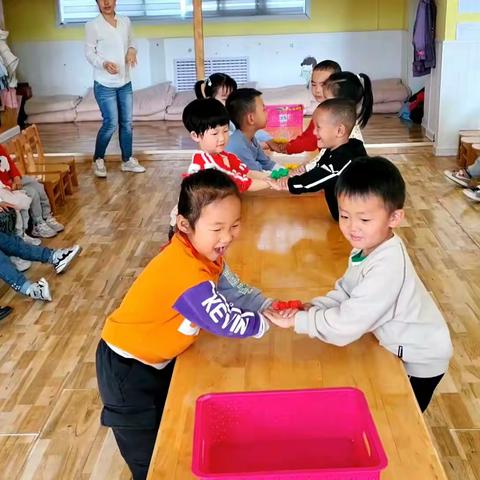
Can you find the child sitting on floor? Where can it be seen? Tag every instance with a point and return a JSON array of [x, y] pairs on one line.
[[334, 120], [184, 289], [380, 292], [247, 112], [45, 225], [307, 141], [13, 246], [469, 178], [207, 122]]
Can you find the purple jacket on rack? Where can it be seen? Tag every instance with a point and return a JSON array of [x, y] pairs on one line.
[[424, 38]]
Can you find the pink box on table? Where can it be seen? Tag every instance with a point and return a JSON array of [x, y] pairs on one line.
[[284, 115], [315, 434]]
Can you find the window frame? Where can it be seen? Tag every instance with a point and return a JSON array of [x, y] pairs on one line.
[[206, 19]]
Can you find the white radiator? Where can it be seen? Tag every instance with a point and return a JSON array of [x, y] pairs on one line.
[[185, 74]]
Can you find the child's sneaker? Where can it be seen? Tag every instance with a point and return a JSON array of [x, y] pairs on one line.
[[54, 224], [99, 169], [64, 256], [32, 241], [20, 264], [132, 165], [472, 194], [460, 177], [43, 230], [40, 291]]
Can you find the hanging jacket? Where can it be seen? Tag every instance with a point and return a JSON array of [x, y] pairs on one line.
[[424, 38]]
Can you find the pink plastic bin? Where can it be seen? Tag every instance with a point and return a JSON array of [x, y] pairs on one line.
[[284, 116], [324, 434]]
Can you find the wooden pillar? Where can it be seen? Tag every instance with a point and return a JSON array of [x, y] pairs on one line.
[[2, 16], [198, 38]]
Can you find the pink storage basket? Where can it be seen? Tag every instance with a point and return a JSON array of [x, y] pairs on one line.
[[324, 434], [284, 116]]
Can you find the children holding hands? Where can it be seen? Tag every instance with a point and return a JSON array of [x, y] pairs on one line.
[[185, 288], [333, 122], [380, 292], [207, 121]]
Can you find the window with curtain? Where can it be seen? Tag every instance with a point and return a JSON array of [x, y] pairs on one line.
[[79, 11]]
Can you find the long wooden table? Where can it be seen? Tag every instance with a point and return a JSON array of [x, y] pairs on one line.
[[291, 249]]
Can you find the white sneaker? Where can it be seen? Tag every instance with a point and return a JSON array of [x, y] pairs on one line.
[[32, 241], [99, 169], [40, 291], [63, 257], [20, 264], [472, 194], [459, 176], [132, 165], [54, 224], [43, 230]]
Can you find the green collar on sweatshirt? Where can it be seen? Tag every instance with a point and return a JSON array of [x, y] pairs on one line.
[[358, 257]]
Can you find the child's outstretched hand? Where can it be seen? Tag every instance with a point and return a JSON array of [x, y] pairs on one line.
[[4, 206], [276, 147], [280, 184], [297, 171], [282, 319], [274, 185], [17, 183]]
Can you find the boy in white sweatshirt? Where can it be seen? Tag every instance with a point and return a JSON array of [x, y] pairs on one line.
[[380, 292]]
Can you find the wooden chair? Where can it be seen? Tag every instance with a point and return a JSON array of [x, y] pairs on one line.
[[46, 164], [52, 181]]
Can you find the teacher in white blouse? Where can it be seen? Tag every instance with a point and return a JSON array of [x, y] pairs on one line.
[[109, 48]]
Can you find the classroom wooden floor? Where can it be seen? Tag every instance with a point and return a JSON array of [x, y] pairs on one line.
[[152, 136], [49, 405]]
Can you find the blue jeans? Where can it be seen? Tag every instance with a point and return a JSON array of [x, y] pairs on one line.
[[474, 168], [116, 105], [13, 246]]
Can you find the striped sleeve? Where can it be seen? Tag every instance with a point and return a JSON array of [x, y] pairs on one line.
[[314, 180], [199, 162]]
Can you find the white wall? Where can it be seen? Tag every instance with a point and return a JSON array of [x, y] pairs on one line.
[[453, 94], [274, 60], [60, 67], [469, 32]]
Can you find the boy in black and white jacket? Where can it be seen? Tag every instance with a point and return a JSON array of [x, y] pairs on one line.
[[380, 292], [334, 120]]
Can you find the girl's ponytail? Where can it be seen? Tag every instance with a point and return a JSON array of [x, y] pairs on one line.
[[367, 101], [354, 87], [198, 89]]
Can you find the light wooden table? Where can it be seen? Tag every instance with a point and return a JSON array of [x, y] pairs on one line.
[[291, 249]]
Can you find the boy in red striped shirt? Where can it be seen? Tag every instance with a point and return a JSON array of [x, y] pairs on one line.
[[207, 121]]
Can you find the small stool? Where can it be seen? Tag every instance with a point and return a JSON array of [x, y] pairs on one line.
[[466, 133], [475, 153], [466, 154]]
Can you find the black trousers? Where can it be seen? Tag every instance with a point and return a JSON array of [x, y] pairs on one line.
[[423, 389], [331, 199], [133, 395]]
